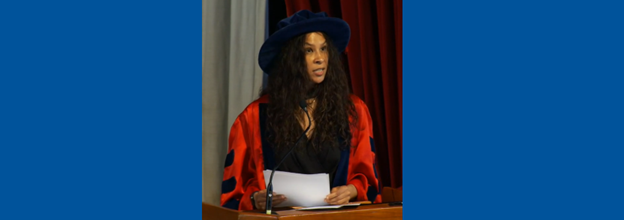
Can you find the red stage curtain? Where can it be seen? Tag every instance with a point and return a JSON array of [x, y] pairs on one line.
[[374, 62]]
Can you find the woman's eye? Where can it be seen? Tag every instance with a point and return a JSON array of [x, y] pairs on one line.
[[324, 48], [308, 50]]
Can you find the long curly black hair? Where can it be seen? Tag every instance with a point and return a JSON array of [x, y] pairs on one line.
[[289, 83]]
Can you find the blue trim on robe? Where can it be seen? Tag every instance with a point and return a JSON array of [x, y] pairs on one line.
[[372, 144], [229, 159], [342, 171], [371, 193], [232, 204], [228, 185]]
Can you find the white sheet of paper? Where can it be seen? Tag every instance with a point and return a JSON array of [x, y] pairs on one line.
[[300, 189], [328, 207]]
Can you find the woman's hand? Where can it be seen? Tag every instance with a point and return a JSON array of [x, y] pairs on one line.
[[260, 198], [341, 195]]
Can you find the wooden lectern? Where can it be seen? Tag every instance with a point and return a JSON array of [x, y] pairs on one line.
[[363, 212]]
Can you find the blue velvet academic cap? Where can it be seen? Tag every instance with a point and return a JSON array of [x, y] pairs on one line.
[[303, 22]]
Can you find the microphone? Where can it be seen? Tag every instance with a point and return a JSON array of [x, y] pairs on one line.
[[269, 191]]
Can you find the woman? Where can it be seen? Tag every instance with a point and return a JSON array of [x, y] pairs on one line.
[[302, 60]]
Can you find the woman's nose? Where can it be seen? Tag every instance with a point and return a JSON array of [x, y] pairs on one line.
[[319, 59]]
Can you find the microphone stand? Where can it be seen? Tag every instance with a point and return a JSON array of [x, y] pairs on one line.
[[269, 191]]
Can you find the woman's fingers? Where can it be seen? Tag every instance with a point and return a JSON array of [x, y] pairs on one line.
[[338, 195], [341, 198], [332, 195], [260, 198], [277, 199]]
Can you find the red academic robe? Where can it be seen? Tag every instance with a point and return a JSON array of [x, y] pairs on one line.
[[249, 154]]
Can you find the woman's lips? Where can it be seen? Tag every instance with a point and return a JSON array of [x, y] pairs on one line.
[[319, 72]]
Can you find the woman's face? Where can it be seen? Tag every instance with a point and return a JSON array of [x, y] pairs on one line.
[[316, 54]]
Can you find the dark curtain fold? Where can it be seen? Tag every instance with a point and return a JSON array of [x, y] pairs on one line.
[[374, 63]]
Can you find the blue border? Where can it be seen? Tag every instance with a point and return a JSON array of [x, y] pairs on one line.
[[513, 110], [101, 109]]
